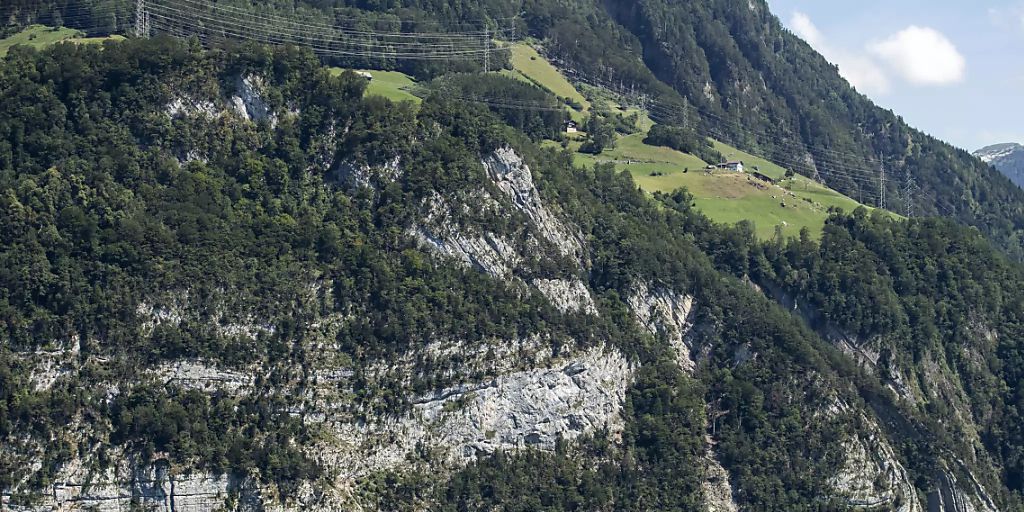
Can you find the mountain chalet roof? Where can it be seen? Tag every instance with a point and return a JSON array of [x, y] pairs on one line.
[[733, 165]]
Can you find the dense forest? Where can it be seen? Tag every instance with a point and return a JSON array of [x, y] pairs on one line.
[[921, 288], [119, 196], [100, 213], [113, 202]]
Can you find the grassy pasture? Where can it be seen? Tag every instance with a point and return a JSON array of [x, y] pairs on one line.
[[41, 36], [393, 85]]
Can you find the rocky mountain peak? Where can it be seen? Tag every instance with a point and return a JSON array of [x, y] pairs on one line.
[[1008, 158], [998, 151]]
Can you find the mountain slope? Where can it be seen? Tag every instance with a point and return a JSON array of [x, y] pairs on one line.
[[1007, 158], [726, 67], [763, 88], [230, 279], [784, 204]]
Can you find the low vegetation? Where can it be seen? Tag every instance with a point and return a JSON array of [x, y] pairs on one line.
[[393, 85], [526, 61], [41, 36], [663, 158], [776, 209]]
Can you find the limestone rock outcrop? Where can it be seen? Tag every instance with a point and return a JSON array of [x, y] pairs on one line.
[[513, 177], [248, 101], [524, 409], [664, 312], [567, 295], [872, 476], [151, 487]]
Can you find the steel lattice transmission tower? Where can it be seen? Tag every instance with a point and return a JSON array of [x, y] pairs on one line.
[[141, 19]]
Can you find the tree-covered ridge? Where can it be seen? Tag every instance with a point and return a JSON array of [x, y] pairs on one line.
[[726, 67], [921, 292], [122, 206], [146, 222], [115, 205]]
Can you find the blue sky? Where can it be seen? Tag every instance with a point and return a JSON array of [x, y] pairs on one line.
[[952, 68]]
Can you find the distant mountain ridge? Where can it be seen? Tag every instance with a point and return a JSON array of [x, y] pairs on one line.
[[1008, 158], [996, 152]]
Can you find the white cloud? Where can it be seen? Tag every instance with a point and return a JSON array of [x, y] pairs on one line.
[[1007, 17], [863, 73], [923, 56], [804, 27], [860, 70]]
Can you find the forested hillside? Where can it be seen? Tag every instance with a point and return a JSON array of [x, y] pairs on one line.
[[230, 279], [725, 68]]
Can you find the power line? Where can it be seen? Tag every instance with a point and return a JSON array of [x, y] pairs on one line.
[[819, 157], [172, 17], [450, 93], [856, 175], [175, 27], [238, 30], [313, 27], [79, 19], [505, 104], [71, 10], [881, 180], [705, 113], [855, 178], [358, 37], [798, 165], [381, 19], [833, 170]]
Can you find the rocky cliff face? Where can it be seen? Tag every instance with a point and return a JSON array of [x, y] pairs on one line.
[[953, 495], [525, 409], [567, 295], [246, 99], [489, 252], [479, 310], [528, 397], [872, 476], [508, 394], [546, 236], [718, 490], [132, 485], [667, 314], [531, 407], [249, 102], [507, 170]]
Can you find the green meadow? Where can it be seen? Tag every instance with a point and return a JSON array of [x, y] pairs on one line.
[[41, 36]]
